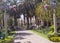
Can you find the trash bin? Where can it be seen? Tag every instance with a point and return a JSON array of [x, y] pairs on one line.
[[2, 35]]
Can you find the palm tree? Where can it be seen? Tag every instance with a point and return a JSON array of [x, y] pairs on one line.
[[29, 11], [40, 12], [44, 15]]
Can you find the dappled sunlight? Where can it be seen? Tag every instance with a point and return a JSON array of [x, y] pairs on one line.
[[29, 21]]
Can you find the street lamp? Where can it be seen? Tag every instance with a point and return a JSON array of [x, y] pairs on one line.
[[53, 6], [5, 18], [6, 6]]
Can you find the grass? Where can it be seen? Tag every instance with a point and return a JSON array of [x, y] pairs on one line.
[[40, 34]]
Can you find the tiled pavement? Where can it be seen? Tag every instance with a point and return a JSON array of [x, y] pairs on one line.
[[27, 36]]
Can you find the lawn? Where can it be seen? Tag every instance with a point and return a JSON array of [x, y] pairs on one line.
[[40, 34]]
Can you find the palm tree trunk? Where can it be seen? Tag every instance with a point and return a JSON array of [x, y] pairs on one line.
[[15, 21], [27, 23], [24, 19], [30, 19]]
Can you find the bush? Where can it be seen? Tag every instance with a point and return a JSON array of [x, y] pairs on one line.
[[9, 39], [52, 28], [58, 29], [12, 33], [1, 41], [59, 34], [50, 34], [55, 39], [10, 21]]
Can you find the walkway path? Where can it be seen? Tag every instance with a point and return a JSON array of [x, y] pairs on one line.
[[29, 37]]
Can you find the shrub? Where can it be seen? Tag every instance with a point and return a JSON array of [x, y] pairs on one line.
[[12, 33], [0, 41], [58, 34], [9, 39], [55, 39], [58, 29], [52, 28], [50, 34], [10, 21]]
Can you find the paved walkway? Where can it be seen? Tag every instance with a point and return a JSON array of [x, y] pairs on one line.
[[29, 37]]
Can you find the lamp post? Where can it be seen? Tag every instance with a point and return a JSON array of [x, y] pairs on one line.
[[5, 19], [54, 5], [6, 6]]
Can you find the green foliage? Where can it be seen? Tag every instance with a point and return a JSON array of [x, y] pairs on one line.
[[1, 41], [51, 31], [39, 10], [12, 33], [52, 28], [55, 39], [51, 35], [42, 13], [9, 39], [10, 21], [58, 12], [0, 16], [39, 33], [0, 11], [58, 0]]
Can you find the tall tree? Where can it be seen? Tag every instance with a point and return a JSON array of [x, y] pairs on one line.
[[43, 13]]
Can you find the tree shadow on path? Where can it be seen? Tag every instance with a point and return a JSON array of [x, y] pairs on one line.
[[21, 35]]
